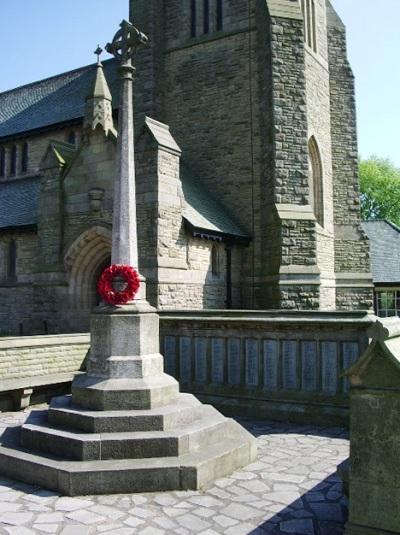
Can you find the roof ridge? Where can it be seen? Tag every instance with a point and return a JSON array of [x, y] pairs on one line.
[[36, 82]]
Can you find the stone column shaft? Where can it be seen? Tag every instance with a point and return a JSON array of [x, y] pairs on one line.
[[124, 237]]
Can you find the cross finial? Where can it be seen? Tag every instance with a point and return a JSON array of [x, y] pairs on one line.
[[125, 42], [98, 52]]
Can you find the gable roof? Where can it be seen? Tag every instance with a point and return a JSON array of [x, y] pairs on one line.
[[385, 251], [203, 213], [52, 101], [19, 203]]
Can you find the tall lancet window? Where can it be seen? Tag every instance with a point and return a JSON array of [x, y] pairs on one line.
[[2, 162], [206, 17], [13, 160], [24, 159], [12, 260], [193, 18], [220, 15], [310, 23], [316, 180]]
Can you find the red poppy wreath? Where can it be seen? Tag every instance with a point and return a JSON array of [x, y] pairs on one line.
[[109, 294]]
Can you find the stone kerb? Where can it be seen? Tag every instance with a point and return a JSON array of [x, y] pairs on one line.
[[374, 474]]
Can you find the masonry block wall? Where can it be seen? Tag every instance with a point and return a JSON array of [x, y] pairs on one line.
[[353, 279]]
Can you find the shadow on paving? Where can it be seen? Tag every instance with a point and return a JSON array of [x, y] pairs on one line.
[[322, 510]]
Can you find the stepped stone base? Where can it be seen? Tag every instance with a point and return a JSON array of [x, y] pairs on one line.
[[126, 427], [183, 446]]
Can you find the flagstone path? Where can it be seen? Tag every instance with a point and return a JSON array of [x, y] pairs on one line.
[[291, 489]]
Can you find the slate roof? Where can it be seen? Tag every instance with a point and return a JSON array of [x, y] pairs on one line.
[[56, 100], [385, 251], [19, 203], [203, 212]]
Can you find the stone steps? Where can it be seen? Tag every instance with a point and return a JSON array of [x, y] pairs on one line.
[[189, 471], [39, 435], [63, 414]]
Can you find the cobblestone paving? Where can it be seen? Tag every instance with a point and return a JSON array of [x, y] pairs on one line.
[[291, 489]]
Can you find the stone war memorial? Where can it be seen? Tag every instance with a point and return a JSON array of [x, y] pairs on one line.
[[186, 302], [126, 428]]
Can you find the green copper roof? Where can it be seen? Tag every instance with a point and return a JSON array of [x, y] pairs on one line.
[[19, 203], [203, 212], [52, 101]]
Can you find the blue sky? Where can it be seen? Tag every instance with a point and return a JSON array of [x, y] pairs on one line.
[[40, 38]]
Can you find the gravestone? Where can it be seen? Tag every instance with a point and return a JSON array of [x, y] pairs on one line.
[[374, 475]]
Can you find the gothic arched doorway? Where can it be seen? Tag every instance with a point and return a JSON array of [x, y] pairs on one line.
[[85, 260]]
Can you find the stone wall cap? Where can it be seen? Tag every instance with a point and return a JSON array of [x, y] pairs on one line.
[[379, 367], [162, 135], [285, 9], [44, 340]]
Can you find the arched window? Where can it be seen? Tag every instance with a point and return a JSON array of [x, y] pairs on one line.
[[2, 162], [316, 180], [72, 138], [310, 24], [12, 260], [13, 160], [215, 267], [24, 159]]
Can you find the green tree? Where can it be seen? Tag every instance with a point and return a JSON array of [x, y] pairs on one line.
[[380, 189]]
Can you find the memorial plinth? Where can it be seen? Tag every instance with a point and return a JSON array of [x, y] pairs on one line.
[[126, 427]]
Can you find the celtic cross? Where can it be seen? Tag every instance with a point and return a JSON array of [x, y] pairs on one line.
[[125, 42]]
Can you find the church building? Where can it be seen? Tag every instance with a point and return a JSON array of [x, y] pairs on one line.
[[246, 169]]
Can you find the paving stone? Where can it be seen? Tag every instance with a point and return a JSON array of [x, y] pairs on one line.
[[16, 519], [276, 495], [192, 522], [46, 528], [152, 531], [75, 529], [72, 504], [85, 517], [326, 511], [49, 518], [240, 512], [298, 527], [133, 521], [225, 521]]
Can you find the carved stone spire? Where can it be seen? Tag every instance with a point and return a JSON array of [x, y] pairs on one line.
[[99, 103]]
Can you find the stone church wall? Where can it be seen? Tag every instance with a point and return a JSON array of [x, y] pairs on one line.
[[17, 300], [319, 126], [353, 281]]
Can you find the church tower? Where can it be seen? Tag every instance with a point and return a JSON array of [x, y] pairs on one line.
[[260, 98]]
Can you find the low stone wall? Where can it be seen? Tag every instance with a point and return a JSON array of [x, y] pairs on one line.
[[37, 362], [279, 365]]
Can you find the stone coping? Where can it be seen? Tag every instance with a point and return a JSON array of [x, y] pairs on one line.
[[8, 385], [270, 316], [43, 340]]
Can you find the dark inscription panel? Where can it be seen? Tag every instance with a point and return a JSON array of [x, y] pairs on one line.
[[329, 367], [200, 352], [309, 366], [170, 355], [270, 358], [217, 360], [234, 361], [185, 353], [289, 365], [351, 354], [252, 363]]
